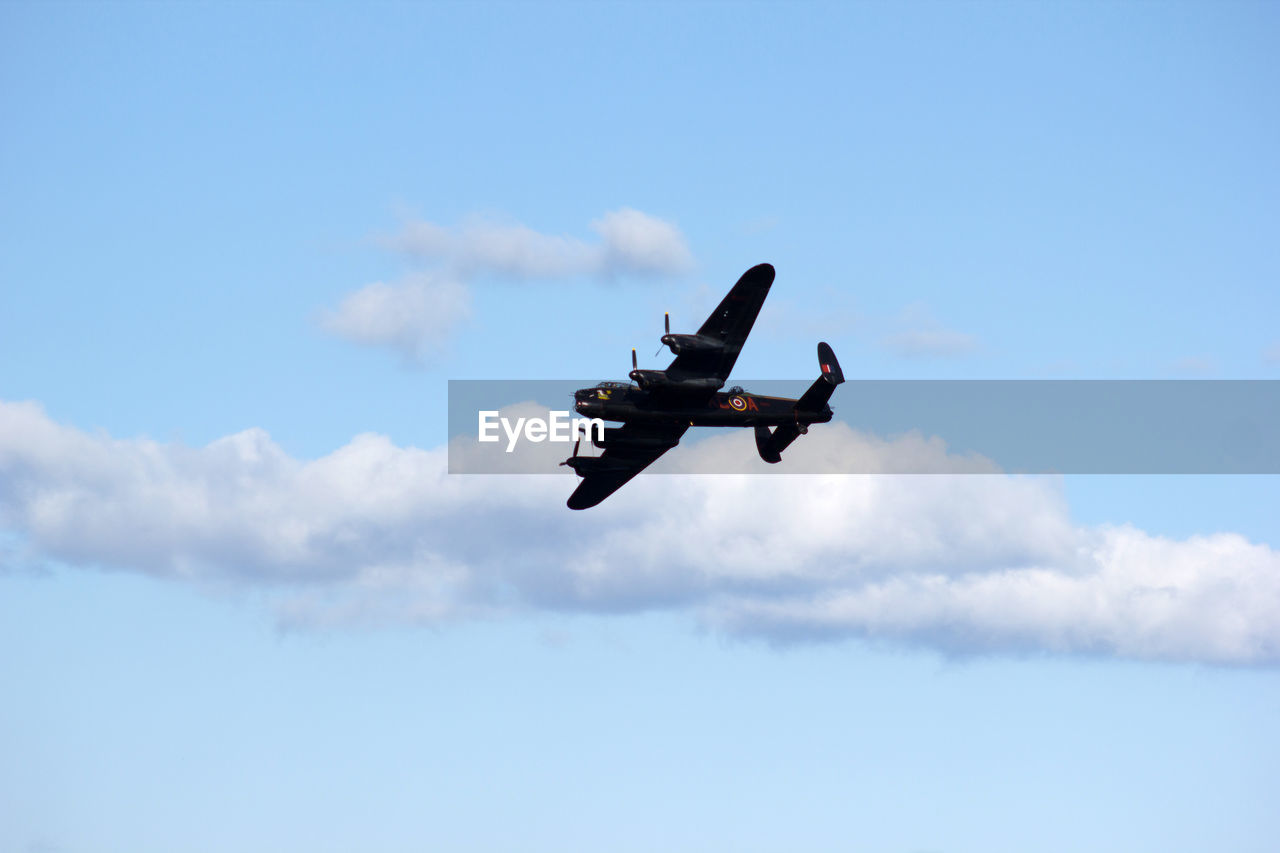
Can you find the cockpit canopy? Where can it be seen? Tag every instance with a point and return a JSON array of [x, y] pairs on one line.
[[600, 391]]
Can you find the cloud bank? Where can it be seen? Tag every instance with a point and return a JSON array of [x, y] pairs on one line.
[[416, 315], [374, 532]]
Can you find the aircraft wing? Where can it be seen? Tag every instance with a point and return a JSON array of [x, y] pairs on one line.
[[630, 451], [730, 324]]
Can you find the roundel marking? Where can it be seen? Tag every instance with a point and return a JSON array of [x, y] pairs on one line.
[[738, 403]]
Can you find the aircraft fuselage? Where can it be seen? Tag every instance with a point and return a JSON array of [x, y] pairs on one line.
[[732, 408]]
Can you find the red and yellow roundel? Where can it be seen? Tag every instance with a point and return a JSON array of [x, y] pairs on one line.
[[737, 403]]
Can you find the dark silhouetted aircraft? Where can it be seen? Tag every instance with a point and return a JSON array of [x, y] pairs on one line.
[[656, 410]]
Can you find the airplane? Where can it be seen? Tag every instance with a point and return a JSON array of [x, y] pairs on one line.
[[662, 404]]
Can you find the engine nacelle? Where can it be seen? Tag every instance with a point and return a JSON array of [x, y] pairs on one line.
[[690, 343], [650, 379], [585, 465]]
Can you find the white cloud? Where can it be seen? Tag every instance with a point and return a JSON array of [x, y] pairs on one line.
[[1132, 595], [485, 247], [374, 531], [636, 242], [414, 316], [632, 243], [921, 336]]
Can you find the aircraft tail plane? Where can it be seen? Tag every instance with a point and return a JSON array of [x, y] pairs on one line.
[[813, 402]]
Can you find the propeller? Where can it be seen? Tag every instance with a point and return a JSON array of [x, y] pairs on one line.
[[575, 451], [666, 332]]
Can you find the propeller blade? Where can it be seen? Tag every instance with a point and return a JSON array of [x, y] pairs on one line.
[[634, 365], [666, 330], [575, 452]]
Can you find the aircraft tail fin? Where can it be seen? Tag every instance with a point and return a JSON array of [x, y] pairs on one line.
[[820, 391], [813, 402], [830, 366]]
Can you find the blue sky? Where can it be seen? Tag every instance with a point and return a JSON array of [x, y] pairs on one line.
[[241, 606]]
